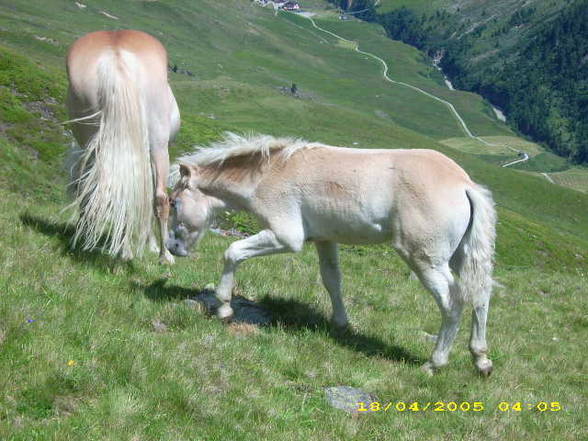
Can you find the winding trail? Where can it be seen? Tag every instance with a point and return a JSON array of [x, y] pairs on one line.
[[523, 159], [355, 45], [451, 107]]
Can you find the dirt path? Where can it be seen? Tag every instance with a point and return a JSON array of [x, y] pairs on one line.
[[450, 106], [523, 159]]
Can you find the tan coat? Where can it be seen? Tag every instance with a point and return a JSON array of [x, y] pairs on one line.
[[123, 117], [420, 201]]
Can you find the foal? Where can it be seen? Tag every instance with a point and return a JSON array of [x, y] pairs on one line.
[[123, 117], [440, 222]]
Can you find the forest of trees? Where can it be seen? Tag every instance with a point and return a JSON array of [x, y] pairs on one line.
[[541, 83]]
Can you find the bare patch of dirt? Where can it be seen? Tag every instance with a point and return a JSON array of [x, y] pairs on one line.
[[42, 108], [65, 405], [241, 329]]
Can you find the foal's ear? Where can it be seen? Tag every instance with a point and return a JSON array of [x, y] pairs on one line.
[[185, 171]]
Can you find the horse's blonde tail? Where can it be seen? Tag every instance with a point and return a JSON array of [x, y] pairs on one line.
[[474, 260], [113, 183]]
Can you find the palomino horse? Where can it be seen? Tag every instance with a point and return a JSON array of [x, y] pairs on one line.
[[123, 117], [440, 222]]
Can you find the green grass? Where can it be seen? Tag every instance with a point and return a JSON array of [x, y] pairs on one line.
[[576, 178], [544, 162], [499, 145], [409, 65], [420, 5], [202, 379]]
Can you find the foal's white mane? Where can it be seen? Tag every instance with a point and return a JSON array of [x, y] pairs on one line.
[[233, 145]]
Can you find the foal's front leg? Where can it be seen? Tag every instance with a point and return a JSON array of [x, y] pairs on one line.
[[261, 244]]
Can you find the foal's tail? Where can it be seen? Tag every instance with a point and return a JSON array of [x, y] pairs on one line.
[[112, 183], [474, 259]]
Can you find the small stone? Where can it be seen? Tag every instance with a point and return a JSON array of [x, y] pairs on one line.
[[159, 326], [347, 398]]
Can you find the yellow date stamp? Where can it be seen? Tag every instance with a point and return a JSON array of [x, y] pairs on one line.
[[458, 406]]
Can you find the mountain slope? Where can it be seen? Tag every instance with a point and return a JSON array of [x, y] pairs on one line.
[[529, 57], [97, 349]]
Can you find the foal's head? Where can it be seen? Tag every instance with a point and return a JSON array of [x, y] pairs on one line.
[[190, 214]]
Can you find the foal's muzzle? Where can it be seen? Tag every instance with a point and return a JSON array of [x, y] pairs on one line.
[[175, 246]]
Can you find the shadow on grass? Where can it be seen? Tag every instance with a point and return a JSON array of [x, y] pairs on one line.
[[292, 314], [64, 232], [159, 292], [287, 314]]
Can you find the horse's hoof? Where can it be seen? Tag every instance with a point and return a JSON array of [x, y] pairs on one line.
[[484, 367], [126, 256], [167, 259], [225, 312]]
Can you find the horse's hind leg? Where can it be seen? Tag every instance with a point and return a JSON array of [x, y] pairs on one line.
[[440, 282], [160, 159], [161, 135], [331, 275]]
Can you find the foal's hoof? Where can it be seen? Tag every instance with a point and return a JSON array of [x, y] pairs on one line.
[[428, 368], [340, 326], [484, 367], [225, 312], [343, 332]]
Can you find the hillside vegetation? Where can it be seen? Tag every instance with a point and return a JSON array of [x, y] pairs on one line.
[[96, 349], [528, 57]]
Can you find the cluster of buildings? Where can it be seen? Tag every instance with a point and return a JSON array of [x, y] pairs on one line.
[[280, 4]]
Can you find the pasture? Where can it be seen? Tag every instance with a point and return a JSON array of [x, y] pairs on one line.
[[576, 178], [95, 349]]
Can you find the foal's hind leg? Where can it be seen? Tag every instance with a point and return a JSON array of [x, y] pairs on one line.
[[439, 281], [478, 346]]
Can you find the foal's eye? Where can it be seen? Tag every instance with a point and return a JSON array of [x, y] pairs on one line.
[[172, 203]]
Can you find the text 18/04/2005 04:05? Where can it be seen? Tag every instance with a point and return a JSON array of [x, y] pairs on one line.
[[454, 406]]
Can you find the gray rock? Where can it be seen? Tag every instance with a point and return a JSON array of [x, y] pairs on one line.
[[158, 325], [246, 311], [347, 398]]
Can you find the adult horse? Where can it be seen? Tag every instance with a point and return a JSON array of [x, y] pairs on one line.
[[440, 222], [123, 117]]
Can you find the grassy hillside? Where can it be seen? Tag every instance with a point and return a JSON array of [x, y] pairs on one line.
[[95, 349], [528, 57]]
